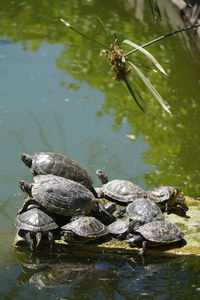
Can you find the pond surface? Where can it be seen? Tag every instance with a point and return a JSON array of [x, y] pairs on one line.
[[57, 94]]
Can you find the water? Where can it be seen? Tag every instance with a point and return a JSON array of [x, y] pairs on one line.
[[57, 94]]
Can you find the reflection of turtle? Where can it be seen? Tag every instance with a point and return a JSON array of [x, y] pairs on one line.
[[167, 198], [142, 211], [59, 195], [33, 224], [42, 163], [156, 233], [119, 228], [121, 191], [84, 229]]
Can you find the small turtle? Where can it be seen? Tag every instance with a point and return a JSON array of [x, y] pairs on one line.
[[119, 229], [167, 198], [118, 190], [33, 224], [43, 163], [84, 229], [156, 233], [142, 211], [59, 195]]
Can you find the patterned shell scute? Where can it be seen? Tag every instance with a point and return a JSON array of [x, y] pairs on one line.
[[87, 227], [35, 220], [161, 194], [57, 164], [161, 232], [118, 227], [61, 195], [122, 190], [143, 210]]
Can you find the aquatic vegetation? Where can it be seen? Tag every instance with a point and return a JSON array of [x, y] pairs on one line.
[[118, 59]]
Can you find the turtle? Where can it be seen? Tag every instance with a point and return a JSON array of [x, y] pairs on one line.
[[119, 229], [119, 190], [33, 224], [58, 195], [84, 229], [156, 233], [168, 198], [142, 211], [43, 163]]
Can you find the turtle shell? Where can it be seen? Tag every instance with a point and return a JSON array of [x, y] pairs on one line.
[[35, 220], [160, 232], [118, 227], [62, 196], [88, 227], [123, 191], [164, 193], [142, 211], [42, 163]]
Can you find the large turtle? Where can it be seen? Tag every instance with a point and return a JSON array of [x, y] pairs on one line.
[[118, 190], [33, 224], [168, 198], [156, 233], [59, 195], [84, 229], [42, 163], [142, 211]]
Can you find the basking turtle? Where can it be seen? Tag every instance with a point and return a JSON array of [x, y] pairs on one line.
[[118, 190], [167, 198], [142, 211], [84, 229], [33, 224], [119, 229], [42, 163], [59, 195], [156, 233]]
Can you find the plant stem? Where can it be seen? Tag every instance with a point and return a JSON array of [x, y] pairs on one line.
[[162, 37], [85, 36]]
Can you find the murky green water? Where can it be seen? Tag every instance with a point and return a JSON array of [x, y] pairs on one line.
[[57, 94]]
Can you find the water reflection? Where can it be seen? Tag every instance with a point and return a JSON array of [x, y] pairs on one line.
[[171, 140], [82, 277]]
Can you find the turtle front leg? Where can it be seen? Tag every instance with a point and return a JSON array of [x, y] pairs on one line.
[[144, 247], [38, 238], [29, 240], [50, 238]]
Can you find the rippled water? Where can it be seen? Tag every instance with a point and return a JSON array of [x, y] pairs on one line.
[[57, 94]]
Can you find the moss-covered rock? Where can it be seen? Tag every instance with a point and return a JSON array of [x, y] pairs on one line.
[[190, 224]]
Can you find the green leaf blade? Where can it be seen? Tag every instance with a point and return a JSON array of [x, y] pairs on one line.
[[147, 53], [151, 88]]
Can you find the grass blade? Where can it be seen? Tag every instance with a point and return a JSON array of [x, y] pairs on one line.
[[147, 53], [155, 9], [151, 88], [131, 90], [84, 35]]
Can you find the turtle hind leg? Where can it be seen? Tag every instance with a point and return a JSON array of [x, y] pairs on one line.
[[29, 240]]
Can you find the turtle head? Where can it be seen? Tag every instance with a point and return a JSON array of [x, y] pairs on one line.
[[175, 192], [25, 187], [102, 176], [27, 159]]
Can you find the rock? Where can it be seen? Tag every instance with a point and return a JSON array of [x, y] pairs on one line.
[[190, 224]]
